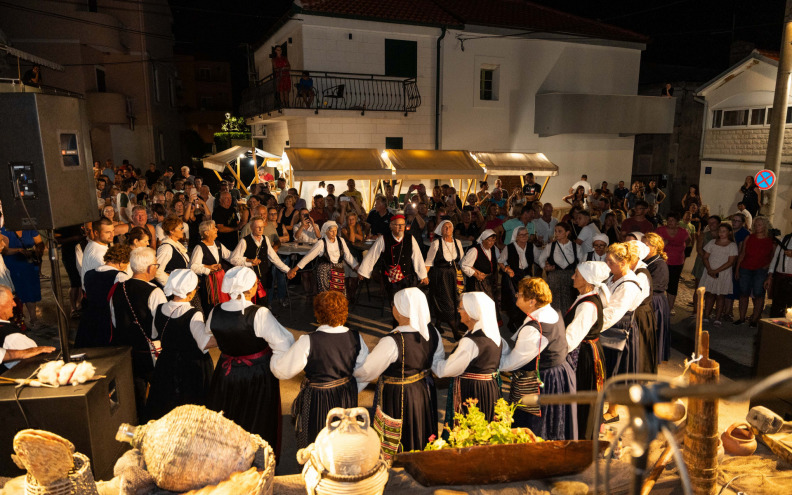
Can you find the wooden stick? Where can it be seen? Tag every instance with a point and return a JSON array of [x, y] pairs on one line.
[[699, 317], [663, 461]]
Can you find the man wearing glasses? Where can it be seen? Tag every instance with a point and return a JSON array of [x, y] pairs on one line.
[[132, 307]]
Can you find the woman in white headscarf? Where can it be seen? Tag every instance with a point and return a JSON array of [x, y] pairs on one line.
[[480, 264], [443, 262], [331, 252], [516, 262], [474, 363], [184, 368], [600, 244], [583, 321], [404, 359], [249, 337]]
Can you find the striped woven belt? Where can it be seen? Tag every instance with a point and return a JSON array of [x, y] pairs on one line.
[[479, 376], [333, 384], [392, 380]]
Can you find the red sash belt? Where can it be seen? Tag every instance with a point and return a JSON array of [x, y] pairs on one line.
[[228, 361]]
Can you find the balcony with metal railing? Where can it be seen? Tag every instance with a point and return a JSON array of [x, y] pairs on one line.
[[330, 91]]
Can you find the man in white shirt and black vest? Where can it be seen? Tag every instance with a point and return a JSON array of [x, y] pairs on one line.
[[398, 256], [255, 251]]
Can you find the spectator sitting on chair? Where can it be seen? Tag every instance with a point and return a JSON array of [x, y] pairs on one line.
[[305, 89]]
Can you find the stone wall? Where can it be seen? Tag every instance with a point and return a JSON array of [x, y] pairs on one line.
[[735, 143]]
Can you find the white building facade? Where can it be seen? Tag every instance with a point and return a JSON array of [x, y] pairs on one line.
[[734, 142], [491, 85]]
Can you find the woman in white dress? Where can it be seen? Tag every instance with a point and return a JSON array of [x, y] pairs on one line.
[[719, 256]]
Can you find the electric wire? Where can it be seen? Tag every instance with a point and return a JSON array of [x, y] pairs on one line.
[[678, 459]]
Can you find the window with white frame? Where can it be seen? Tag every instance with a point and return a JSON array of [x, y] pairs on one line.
[[745, 117], [489, 80]]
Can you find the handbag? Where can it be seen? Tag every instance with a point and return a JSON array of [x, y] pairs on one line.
[[389, 428], [526, 382]]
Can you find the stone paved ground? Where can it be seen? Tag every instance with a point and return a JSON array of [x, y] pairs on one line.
[[732, 346]]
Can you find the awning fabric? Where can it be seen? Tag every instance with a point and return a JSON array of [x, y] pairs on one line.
[[434, 164], [219, 161], [30, 57], [264, 154], [337, 164], [506, 163]]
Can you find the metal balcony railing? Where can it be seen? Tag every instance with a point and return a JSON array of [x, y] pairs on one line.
[[331, 91]]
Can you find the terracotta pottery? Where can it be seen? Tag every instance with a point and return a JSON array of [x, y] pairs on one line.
[[738, 439]]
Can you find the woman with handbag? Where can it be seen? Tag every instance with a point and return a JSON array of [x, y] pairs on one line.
[[183, 369], [329, 355], [406, 399], [583, 321], [445, 277], [539, 365], [474, 363], [480, 265], [331, 252], [249, 336], [619, 337]]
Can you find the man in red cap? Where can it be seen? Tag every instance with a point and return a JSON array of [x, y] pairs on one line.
[[399, 258]]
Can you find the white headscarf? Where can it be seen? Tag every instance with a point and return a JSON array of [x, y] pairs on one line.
[[411, 302], [439, 229], [596, 273], [326, 226], [601, 237], [514, 234], [485, 235], [637, 234], [181, 282], [481, 308], [643, 249], [238, 280]]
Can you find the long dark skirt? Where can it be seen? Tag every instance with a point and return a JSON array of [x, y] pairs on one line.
[[509, 299], [647, 333], [557, 422], [250, 397], [95, 327], [560, 283], [178, 380], [485, 392], [486, 286], [420, 411], [627, 360], [313, 404], [586, 377], [663, 317], [444, 297]]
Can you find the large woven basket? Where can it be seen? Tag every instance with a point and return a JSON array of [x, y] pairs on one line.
[[79, 482], [265, 463]]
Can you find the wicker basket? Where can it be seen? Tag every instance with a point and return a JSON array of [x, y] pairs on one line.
[[79, 482], [264, 461]]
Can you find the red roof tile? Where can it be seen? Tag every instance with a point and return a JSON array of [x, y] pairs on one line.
[[516, 14], [406, 11], [522, 14]]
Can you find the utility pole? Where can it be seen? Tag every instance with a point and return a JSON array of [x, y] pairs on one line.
[[775, 141]]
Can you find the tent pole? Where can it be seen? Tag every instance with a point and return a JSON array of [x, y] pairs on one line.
[[470, 184], [238, 174], [299, 191], [239, 181], [219, 177], [398, 193], [543, 188], [522, 180]]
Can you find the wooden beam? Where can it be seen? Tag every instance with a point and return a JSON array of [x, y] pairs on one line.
[[470, 184], [543, 188], [239, 181]]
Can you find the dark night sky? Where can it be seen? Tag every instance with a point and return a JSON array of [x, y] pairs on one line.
[[686, 33]]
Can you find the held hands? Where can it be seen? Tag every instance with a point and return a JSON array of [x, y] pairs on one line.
[[425, 281], [255, 262], [292, 273], [479, 275], [216, 267]]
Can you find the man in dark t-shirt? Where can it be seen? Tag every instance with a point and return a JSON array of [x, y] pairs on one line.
[[225, 217], [152, 175], [531, 189], [379, 218], [638, 222]]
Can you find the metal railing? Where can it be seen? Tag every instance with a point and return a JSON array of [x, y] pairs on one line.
[[331, 91], [14, 85]]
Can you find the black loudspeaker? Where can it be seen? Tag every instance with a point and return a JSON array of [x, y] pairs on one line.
[[87, 415], [45, 162]]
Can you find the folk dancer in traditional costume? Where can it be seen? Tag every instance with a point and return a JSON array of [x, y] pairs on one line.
[[249, 336], [583, 321], [475, 361], [480, 265], [399, 258], [539, 364], [600, 244], [644, 314], [331, 252], [404, 359], [559, 259], [133, 303], [329, 355], [658, 269], [255, 251], [171, 253], [95, 328], [443, 262], [210, 260], [516, 262], [619, 339], [183, 370]]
